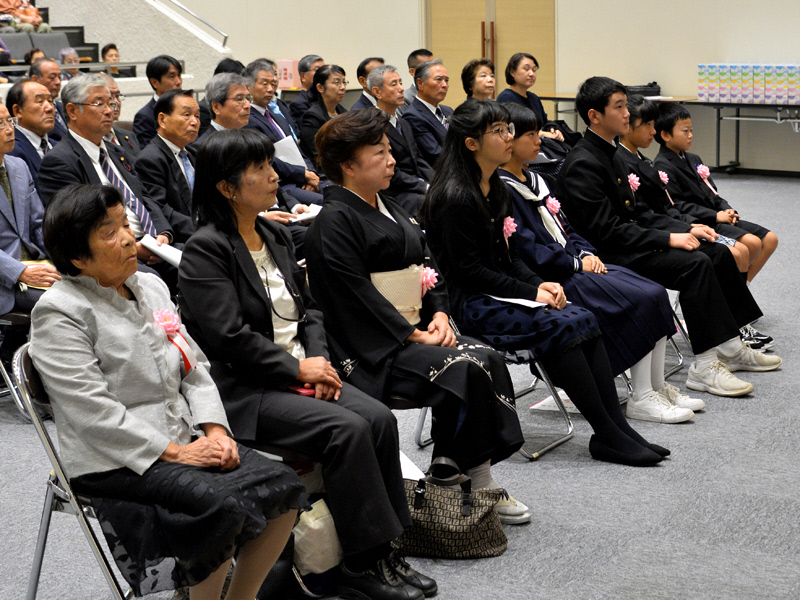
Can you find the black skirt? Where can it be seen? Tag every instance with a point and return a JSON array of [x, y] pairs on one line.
[[175, 524], [742, 227]]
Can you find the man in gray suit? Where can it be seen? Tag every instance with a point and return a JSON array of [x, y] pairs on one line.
[[21, 214]]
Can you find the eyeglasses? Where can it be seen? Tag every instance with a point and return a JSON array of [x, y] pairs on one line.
[[119, 97], [112, 105], [9, 121], [339, 82], [295, 296], [240, 100], [504, 131]]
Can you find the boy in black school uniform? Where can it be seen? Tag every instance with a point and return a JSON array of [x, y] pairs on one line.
[[690, 183], [596, 195]]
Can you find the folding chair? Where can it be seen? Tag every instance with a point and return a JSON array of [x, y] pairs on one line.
[[682, 330], [59, 495], [9, 320]]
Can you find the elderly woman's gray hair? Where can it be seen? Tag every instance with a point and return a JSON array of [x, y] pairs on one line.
[[76, 91], [218, 86], [252, 70], [424, 70], [65, 52], [375, 77]]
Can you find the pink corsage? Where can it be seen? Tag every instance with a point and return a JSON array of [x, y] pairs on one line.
[[171, 324], [633, 180], [509, 227], [553, 205], [664, 177], [703, 171], [429, 278]]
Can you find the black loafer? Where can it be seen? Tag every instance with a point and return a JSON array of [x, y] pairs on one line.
[[411, 576], [643, 458], [381, 582]]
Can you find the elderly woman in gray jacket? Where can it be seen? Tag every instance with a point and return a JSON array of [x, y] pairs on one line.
[[140, 422]]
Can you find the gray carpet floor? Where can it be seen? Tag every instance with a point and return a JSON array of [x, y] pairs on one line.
[[717, 520]]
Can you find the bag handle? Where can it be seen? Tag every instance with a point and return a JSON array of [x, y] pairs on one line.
[[456, 479]]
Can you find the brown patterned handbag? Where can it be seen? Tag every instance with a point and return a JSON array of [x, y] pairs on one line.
[[449, 522]]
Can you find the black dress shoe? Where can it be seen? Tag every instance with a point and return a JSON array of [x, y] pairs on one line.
[[381, 582], [643, 458], [660, 450], [412, 577]]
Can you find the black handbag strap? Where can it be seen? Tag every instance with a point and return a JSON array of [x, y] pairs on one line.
[[458, 478]]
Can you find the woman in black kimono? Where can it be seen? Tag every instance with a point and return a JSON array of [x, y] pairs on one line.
[[633, 312], [399, 343], [467, 216]]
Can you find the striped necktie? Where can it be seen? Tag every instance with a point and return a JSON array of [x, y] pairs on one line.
[[187, 165], [130, 199]]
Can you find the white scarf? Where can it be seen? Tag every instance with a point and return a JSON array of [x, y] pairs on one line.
[[553, 227]]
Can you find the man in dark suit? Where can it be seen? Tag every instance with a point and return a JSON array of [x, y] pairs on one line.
[[416, 58], [306, 67], [366, 99], [33, 106], [83, 157], [426, 115], [164, 74], [165, 168], [412, 174], [596, 194], [48, 73], [117, 135], [299, 180]]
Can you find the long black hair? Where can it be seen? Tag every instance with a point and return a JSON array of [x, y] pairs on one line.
[[225, 156], [458, 175]]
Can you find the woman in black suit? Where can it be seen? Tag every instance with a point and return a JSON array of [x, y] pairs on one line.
[[246, 302], [325, 94]]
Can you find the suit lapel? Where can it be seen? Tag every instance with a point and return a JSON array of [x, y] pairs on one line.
[[282, 123], [28, 149], [86, 163], [5, 206], [396, 137], [124, 167], [175, 172]]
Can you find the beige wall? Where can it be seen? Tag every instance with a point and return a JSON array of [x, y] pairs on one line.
[[638, 41], [341, 31]]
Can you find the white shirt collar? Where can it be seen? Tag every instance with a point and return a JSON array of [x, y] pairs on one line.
[[430, 106], [217, 126], [32, 137], [259, 108], [175, 150], [370, 97]]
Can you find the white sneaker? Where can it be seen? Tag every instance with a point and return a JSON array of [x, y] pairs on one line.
[[655, 407], [716, 379], [678, 398], [512, 512], [747, 359]]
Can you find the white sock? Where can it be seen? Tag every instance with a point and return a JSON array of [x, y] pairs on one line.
[[704, 359], [640, 377], [482, 477], [657, 364], [731, 347]]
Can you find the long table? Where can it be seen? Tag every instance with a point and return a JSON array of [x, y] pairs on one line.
[[782, 113]]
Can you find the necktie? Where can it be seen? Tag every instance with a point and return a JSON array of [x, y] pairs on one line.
[[6, 186], [291, 129], [60, 120], [274, 125], [44, 145], [440, 115], [187, 165], [131, 200]]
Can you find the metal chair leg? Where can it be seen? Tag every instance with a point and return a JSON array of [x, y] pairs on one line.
[[11, 389], [682, 330], [41, 541], [628, 385], [422, 443], [562, 409]]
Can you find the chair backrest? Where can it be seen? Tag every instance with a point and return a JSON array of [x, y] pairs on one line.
[[50, 43], [18, 44]]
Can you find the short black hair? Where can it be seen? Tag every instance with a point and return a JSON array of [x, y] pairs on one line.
[[166, 102], [229, 65], [72, 214], [595, 93], [108, 48], [225, 156], [669, 113], [470, 70], [513, 63], [417, 57], [339, 139], [361, 70], [641, 109], [29, 54], [36, 66], [321, 77], [523, 118], [159, 66], [16, 95]]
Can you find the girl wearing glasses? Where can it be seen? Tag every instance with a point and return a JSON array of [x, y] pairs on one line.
[[467, 216], [245, 300]]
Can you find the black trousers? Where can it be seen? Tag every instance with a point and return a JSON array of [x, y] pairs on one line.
[[714, 297], [356, 441]]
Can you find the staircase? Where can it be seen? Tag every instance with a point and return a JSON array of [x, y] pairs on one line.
[[75, 37]]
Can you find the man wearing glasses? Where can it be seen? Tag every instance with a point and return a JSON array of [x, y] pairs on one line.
[[229, 99], [83, 156], [32, 104]]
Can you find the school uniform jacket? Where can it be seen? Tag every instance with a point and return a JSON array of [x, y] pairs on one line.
[[429, 132], [225, 308], [596, 196]]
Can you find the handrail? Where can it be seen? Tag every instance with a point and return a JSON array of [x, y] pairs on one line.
[[202, 20]]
